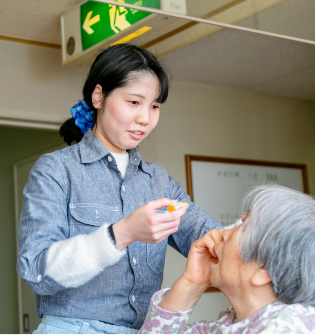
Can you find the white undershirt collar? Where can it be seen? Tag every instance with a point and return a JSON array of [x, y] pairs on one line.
[[122, 161]]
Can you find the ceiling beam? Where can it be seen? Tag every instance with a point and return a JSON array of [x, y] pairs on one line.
[[26, 41]]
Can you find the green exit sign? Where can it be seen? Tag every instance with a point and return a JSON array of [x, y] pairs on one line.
[[100, 21]]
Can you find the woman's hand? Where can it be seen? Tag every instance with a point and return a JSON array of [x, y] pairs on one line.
[[201, 254], [145, 225]]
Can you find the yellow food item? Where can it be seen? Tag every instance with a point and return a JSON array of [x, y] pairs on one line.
[[176, 206]]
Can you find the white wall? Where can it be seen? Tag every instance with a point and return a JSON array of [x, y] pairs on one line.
[[197, 119], [214, 121], [34, 85]]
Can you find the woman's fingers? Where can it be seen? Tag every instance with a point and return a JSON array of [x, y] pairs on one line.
[[216, 235], [145, 225], [210, 245], [169, 216], [197, 269], [163, 230], [160, 203], [165, 234]]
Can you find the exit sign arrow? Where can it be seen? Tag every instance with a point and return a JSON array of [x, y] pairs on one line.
[[88, 22], [99, 21]]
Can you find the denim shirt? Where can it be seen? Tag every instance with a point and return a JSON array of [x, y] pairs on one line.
[[63, 192]]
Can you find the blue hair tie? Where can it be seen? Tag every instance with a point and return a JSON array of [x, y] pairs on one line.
[[82, 115]]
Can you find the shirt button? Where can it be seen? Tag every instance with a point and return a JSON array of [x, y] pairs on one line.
[[109, 158], [39, 278], [123, 187], [134, 261], [133, 298]]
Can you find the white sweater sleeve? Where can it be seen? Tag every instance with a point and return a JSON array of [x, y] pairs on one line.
[[75, 261]]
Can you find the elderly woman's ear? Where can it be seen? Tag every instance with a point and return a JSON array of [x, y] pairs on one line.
[[260, 277]]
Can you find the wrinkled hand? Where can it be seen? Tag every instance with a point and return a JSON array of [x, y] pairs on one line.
[[188, 288], [201, 254], [145, 225]]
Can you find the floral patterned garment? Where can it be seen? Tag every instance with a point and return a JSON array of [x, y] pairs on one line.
[[273, 318]]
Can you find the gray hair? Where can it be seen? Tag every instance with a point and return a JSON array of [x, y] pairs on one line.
[[281, 237]]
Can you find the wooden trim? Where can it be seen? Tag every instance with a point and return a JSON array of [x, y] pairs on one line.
[[222, 9], [30, 120], [25, 41], [191, 24], [189, 177], [305, 180], [34, 124]]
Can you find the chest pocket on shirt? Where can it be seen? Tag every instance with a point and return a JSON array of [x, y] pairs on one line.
[[86, 218], [156, 256]]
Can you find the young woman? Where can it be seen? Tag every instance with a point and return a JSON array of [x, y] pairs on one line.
[[94, 226]]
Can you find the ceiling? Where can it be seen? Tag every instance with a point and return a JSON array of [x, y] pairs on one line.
[[260, 64], [274, 67], [224, 57], [36, 20]]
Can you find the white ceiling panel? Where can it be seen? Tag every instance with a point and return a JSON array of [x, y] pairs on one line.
[[242, 60], [36, 20], [298, 85], [294, 18]]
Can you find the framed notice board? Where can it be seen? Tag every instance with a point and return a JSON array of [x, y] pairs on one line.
[[218, 185]]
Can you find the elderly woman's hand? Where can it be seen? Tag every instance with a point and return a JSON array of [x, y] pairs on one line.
[[201, 254], [188, 289]]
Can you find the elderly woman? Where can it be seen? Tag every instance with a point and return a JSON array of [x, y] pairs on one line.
[[265, 267]]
